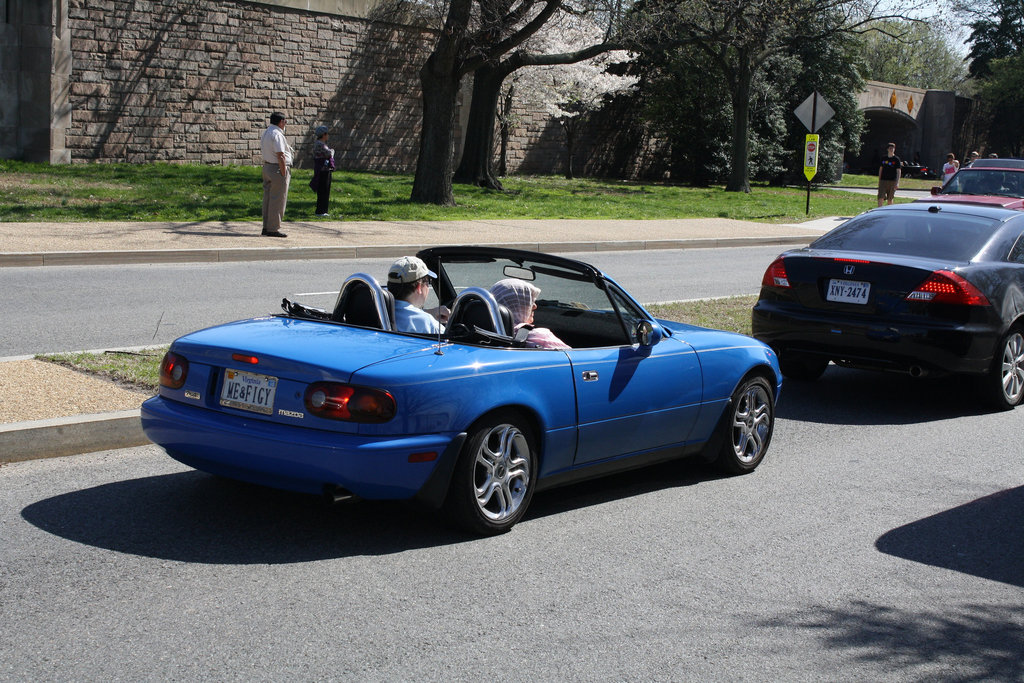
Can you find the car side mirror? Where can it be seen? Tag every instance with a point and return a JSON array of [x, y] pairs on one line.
[[935, 191], [647, 333]]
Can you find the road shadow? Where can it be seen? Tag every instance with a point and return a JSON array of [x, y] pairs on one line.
[[859, 397], [638, 482], [196, 517], [972, 642], [981, 538]]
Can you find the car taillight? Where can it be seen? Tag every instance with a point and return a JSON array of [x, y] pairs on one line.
[[946, 287], [336, 401], [173, 371], [775, 276]]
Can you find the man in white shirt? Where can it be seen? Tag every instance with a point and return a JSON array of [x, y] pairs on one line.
[[277, 159], [409, 281]]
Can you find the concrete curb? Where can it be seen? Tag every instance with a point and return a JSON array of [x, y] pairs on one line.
[[121, 257], [62, 436]]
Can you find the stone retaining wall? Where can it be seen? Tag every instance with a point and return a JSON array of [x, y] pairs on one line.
[[195, 80]]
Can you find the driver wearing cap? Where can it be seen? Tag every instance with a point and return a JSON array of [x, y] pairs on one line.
[[409, 281]]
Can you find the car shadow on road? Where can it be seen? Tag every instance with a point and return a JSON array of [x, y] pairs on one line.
[[860, 397], [196, 517], [981, 538]]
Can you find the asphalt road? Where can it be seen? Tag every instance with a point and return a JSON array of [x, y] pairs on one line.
[[74, 308], [880, 540]]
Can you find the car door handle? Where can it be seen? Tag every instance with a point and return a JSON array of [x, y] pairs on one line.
[[589, 375]]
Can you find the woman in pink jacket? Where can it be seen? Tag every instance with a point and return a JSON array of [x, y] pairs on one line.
[[520, 298]]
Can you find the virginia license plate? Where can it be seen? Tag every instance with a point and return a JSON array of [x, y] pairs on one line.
[[248, 391], [848, 291]]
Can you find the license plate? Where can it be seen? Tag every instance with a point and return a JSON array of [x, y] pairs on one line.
[[248, 391], [848, 291]]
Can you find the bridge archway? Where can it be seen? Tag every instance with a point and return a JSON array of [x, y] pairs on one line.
[[885, 125], [920, 122]]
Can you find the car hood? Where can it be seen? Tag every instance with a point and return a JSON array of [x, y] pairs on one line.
[[298, 348], [1015, 203]]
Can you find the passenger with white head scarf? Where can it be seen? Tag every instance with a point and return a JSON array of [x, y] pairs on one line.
[[520, 298]]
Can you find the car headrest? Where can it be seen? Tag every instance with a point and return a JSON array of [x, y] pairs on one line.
[[475, 307]]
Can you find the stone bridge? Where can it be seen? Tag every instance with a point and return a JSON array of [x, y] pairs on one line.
[[920, 122]]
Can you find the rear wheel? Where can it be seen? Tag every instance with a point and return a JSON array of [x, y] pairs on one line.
[[1003, 387], [747, 427], [801, 367], [495, 475]]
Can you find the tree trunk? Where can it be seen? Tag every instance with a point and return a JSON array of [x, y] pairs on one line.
[[433, 181], [477, 165], [739, 174], [505, 130], [569, 126]]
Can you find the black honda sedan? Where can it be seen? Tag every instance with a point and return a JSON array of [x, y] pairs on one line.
[[918, 288]]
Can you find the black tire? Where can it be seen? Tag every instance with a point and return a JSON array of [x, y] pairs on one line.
[[1003, 386], [747, 427], [800, 367], [495, 475]]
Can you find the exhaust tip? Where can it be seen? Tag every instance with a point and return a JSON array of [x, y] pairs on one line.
[[338, 494]]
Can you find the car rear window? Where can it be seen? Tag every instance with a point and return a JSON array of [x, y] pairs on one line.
[[946, 236]]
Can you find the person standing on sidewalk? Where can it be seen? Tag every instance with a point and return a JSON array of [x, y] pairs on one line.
[[949, 168], [277, 159], [323, 165], [889, 175]]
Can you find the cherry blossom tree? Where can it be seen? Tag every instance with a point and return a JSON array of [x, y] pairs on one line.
[[570, 92]]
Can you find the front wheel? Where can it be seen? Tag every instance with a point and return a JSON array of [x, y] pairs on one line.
[[1003, 387], [495, 476], [750, 420]]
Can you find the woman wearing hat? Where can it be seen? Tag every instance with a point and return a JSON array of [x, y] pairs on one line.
[[323, 164]]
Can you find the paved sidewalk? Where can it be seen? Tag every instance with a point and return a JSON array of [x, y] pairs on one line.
[[39, 244], [77, 428]]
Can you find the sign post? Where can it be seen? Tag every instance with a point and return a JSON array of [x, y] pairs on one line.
[[810, 163], [814, 112]]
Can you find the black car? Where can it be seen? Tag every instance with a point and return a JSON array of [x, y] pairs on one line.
[[917, 288]]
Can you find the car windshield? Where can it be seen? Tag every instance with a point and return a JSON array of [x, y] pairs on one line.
[[986, 181], [946, 236], [570, 303]]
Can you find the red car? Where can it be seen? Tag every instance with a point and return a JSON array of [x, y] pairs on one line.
[[989, 184]]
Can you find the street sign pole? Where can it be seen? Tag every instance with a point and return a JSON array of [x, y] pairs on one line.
[[814, 128], [812, 112]]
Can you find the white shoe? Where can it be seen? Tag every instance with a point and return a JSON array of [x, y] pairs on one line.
[[323, 215]]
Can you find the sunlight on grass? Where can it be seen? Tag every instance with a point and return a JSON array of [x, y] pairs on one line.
[[183, 192]]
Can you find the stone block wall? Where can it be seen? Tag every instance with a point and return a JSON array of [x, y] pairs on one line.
[[195, 81]]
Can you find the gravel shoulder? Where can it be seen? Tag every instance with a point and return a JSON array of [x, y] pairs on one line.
[[37, 390]]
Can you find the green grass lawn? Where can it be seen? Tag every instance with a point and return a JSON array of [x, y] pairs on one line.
[[141, 370], [854, 180], [173, 192]]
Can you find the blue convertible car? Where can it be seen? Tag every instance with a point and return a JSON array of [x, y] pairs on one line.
[[471, 420]]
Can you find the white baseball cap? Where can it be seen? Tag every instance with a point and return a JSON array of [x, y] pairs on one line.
[[409, 269]]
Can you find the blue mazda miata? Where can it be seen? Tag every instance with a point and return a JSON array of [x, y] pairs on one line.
[[472, 420]]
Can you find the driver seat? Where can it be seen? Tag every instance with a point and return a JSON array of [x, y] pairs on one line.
[[365, 303]]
